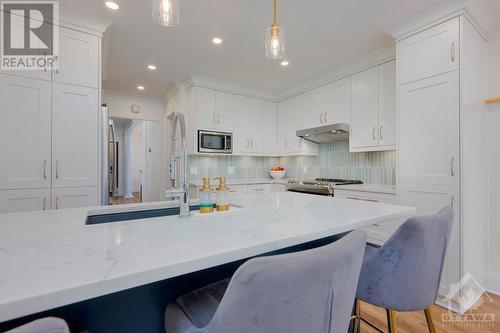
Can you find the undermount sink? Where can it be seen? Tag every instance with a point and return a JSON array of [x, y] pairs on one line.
[[109, 217]]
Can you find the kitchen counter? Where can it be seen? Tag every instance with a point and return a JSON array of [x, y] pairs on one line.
[[388, 189], [51, 258]]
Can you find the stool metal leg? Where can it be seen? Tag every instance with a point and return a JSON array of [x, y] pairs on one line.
[[391, 321], [430, 323]]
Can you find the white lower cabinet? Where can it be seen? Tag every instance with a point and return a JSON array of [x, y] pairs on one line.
[[377, 233], [74, 197], [429, 199], [12, 201]]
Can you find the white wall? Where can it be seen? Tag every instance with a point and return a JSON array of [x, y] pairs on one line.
[[152, 109], [494, 121]]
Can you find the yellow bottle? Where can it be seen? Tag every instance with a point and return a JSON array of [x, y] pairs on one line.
[[206, 200], [221, 195]]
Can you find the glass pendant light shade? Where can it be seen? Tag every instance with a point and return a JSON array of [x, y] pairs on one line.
[[275, 42], [166, 12]]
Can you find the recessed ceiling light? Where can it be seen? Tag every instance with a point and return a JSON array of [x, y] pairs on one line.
[[285, 63], [112, 5], [217, 41], [140, 87], [152, 67]]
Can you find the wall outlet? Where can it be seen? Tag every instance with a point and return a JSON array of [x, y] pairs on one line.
[[230, 170], [193, 171], [305, 169]]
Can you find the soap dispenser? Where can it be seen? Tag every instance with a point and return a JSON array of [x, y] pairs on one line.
[[221, 195], [206, 200]]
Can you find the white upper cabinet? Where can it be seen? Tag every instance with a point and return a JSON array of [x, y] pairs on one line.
[[12, 201], [313, 108], [373, 111], [75, 136], [224, 109], [337, 100], [431, 52], [25, 135], [78, 59], [270, 125], [248, 125], [429, 118], [241, 135], [206, 115], [290, 119], [364, 112], [387, 105]]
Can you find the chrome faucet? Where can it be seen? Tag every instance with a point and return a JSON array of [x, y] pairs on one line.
[[180, 192]]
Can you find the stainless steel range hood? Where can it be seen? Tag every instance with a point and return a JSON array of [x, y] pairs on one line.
[[326, 134]]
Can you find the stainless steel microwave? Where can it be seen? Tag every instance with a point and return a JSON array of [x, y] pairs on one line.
[[215, 142]]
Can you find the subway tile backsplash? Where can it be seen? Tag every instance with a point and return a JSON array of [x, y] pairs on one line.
[[333, 161]]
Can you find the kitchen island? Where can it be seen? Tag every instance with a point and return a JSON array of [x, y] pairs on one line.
[[52, 258]]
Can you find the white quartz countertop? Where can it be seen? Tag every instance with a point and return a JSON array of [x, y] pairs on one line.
[[50, 259]]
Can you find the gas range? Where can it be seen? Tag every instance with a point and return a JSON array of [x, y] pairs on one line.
[[320, 186]]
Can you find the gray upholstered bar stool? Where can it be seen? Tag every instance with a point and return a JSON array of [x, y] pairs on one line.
[[311, 291], [405, 273], [44, 325]]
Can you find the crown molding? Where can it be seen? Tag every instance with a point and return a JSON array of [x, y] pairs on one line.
[[73, 20], [146, 99], [477, 11], [377, 58], [200, 81]]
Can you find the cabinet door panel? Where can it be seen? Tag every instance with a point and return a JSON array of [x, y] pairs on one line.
[[256, 125], [387, 104], [338, 102], [429, 199], [364, 112], [312, 108], [432, 52], [242, 120], [283, 124], [75, 136], [269, 127], [205, 108], [78, 59], [12, 201], [429, 131], [26, 133], [225, 111], [75, 197]]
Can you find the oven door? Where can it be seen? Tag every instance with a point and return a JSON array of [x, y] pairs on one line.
[[214, 142]]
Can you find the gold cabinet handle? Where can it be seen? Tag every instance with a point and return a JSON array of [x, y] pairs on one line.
[[452, 166], [321, 118], [57, 169], [326, 114], [362, 199], [57, 203], [380, 133], [452, 203], [453, 52], [44, 203], [373, 134], [218, 119], [44, 169]]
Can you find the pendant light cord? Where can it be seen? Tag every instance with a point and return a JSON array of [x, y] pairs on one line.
[[274, 19]]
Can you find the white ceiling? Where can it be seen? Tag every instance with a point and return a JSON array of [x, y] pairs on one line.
[[322, 36]]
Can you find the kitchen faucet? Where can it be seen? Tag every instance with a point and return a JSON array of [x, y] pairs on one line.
[[180, 192]]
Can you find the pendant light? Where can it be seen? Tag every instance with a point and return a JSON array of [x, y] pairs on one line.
[[166, 12], [275, 39]]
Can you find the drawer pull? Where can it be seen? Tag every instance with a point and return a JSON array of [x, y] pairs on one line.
[[362, 199], [453, 52], [452, 167], [44, 169], [373, 134]]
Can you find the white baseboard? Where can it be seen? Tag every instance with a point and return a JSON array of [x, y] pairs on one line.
[[493, 284]]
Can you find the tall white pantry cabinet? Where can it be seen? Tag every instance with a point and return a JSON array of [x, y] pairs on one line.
[[49, 138], [442, 142]]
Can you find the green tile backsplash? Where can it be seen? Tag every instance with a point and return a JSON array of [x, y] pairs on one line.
[[333, 161]]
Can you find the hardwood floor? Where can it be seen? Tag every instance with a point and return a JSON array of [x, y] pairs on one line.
[[122, 200], [414, 322]]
